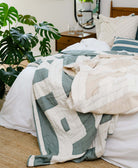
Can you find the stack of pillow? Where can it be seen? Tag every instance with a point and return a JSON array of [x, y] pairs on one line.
[[120, 33]]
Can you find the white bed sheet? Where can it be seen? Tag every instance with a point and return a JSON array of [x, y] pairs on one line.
[[122, 146], [17, 109]]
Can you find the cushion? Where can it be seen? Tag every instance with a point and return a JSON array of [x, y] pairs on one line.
[[107, 28], [129, 45], [89, 44]]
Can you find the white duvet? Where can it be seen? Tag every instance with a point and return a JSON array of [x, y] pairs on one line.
[[121, 148], [17, 110]]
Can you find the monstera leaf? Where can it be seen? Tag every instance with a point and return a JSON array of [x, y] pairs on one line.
[[10, 52], [16, 46], [27, 41], [7, 15], [27, 19], [29, 56], [47, 30], [45, 47], [9, 76]]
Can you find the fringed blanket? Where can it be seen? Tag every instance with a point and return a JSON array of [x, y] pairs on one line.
[[63, 132]]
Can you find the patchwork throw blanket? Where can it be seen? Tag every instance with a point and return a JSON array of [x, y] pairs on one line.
[[64, 131]]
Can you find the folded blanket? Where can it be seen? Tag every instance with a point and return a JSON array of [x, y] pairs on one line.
[[64, 133]]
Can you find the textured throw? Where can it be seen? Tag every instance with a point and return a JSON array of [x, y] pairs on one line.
[[104, 84], [65, 133]]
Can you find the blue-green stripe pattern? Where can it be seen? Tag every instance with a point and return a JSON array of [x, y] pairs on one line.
[[121, 44]]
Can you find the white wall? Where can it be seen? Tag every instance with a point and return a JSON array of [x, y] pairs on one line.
[[60, 12]]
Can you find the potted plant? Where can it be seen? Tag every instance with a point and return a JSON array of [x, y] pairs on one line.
[[86, 4], [16, 45]]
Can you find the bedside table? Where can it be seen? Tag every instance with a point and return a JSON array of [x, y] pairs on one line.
[[69, 39]]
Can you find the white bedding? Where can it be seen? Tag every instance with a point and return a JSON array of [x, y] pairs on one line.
[[18, 104], [122, 146], [18, 101], [89, 44], [122, 151]]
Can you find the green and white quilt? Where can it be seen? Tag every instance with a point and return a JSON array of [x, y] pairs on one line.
[[63, 133]]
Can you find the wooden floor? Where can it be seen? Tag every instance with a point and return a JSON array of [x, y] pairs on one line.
[[16, 147]]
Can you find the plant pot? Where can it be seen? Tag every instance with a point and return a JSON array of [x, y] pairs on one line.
[[86, 5]]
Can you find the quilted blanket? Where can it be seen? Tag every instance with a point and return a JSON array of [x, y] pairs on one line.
[[65, 133]]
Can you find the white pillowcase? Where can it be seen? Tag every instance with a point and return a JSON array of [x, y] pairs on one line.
[[107, 28], [89, 44]]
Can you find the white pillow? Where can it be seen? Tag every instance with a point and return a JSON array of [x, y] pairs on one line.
[[89, 44], [95, 45], [107, 28]]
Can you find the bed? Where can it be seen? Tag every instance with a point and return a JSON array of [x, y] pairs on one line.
[[121, 148]]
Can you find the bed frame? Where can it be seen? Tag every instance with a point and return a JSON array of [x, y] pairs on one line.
[[122, 11]]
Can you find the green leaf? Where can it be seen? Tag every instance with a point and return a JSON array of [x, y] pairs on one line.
[[7, 15], [19, 68], [6, 33], [47, 30], [10, 53], [29, 56], [16, 46], [1, 33], [8, 76], [27, 19], [45, 47], [26, 41]]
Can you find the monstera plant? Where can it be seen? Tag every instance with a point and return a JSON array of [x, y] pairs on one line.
[[16, 45]]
